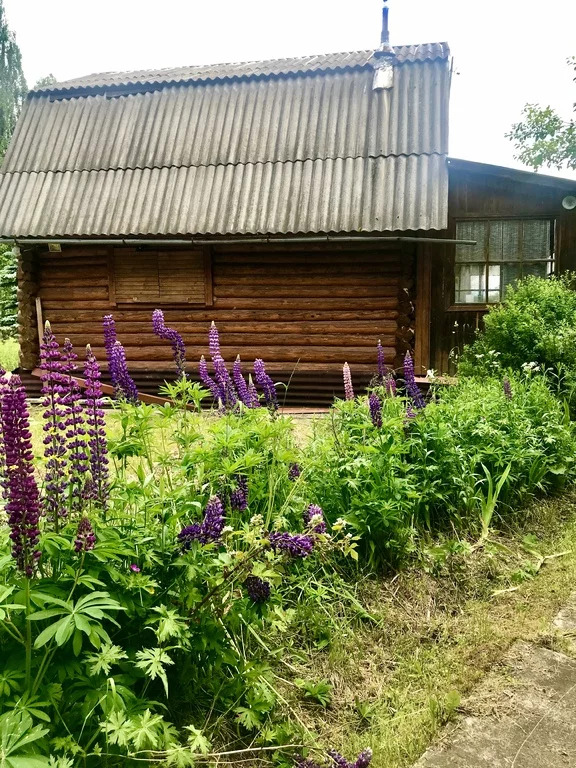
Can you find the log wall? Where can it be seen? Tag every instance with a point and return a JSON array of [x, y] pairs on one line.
[[304, 311]]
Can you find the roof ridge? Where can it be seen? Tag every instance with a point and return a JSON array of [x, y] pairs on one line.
[[249, 68]]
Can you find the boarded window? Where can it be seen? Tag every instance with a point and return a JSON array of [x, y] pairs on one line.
[[166, 277], [505, 251]]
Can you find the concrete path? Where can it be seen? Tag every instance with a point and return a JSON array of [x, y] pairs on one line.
[[532, 717]]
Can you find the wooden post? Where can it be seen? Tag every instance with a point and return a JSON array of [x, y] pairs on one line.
[[423, 301]]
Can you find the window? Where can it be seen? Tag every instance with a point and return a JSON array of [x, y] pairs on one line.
[[160, 277], [505, 250]]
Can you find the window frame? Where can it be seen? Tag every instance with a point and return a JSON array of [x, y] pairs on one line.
[[478, 306]]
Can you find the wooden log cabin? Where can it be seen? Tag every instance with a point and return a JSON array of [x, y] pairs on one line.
[[308, 206]]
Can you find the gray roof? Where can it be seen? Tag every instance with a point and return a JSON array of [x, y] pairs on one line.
[[290, 145]]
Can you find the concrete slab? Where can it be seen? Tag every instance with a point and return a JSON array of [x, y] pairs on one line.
[[533, 724]]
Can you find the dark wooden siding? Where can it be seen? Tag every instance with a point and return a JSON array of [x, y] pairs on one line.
[[301, 310], [478, 195]]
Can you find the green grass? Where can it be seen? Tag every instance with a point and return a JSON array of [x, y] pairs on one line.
[[437, 631], [9, 354]]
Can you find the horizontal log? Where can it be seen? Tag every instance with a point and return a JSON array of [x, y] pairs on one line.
[[261, 328], [73, 281], [389, 302], [233, 340], [304, 256], [310, 354], [65, 314], [65, 293], [306, 281], [276, 368], [298, 291]]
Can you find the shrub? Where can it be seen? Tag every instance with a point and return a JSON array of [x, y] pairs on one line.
[[433, 470], [535, 324]]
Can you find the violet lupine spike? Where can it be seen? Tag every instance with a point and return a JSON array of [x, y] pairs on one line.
[[375, 409], [3, 382], [266, 384], [314, 516], [207, 380], [390, 384], [239, 497], [174, 338], [339, 760], [21, 491], [381, 364], [412, 389], [96, 427], [253, 393], [110, 339], [294, 472], [214, 341], [364, 758], [75, 434], [240, 383], [125, 389], [507, 387], [347, 376], [85, 537], [228, 394], [55, 392], [209, 530], [297, 545], [258, 590]]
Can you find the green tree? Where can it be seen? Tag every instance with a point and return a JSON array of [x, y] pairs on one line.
[[8, 298], [543, 138], [45, 82], [13, 86]]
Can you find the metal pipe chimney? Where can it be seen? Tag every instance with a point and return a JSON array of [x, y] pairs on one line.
[[385, 34]]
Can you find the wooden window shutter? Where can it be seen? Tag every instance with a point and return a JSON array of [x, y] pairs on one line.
[[160, 277]]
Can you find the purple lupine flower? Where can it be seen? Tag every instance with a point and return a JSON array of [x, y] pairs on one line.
[[188, 534], [135, 568], [315, 515], [2, 453], [364, 758], [175, 339], [125, 389], [348, 389], [85, 537], [240, 383], [410, 413], [21, 491], [375, 409], [339, 761], [207, 380], [209, 530], [294, 472], [239, 497], [381, 364], [412, 389], [258, 590], [55, 392], [390, 385], [109, 326], [214, 341], [292, 544], [253, 394], [75, 433], [266, 384], [96, 430], [507, 387]]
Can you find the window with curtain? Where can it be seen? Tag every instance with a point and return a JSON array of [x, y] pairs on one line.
[[505, 250]]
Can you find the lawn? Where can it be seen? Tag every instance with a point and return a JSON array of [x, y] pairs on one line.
[[9, 354]]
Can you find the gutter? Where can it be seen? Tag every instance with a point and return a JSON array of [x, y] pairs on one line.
[[234, 241]]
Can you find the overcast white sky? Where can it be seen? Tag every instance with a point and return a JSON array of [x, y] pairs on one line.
[[506, 52]]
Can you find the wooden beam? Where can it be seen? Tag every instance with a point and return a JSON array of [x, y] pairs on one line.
[[423, 313]]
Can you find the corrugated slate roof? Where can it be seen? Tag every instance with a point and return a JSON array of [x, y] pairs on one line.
[[233, 149], [247, 69]]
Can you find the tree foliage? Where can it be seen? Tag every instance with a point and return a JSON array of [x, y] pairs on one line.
[[543, 138], [13, 86], [8, 297]]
